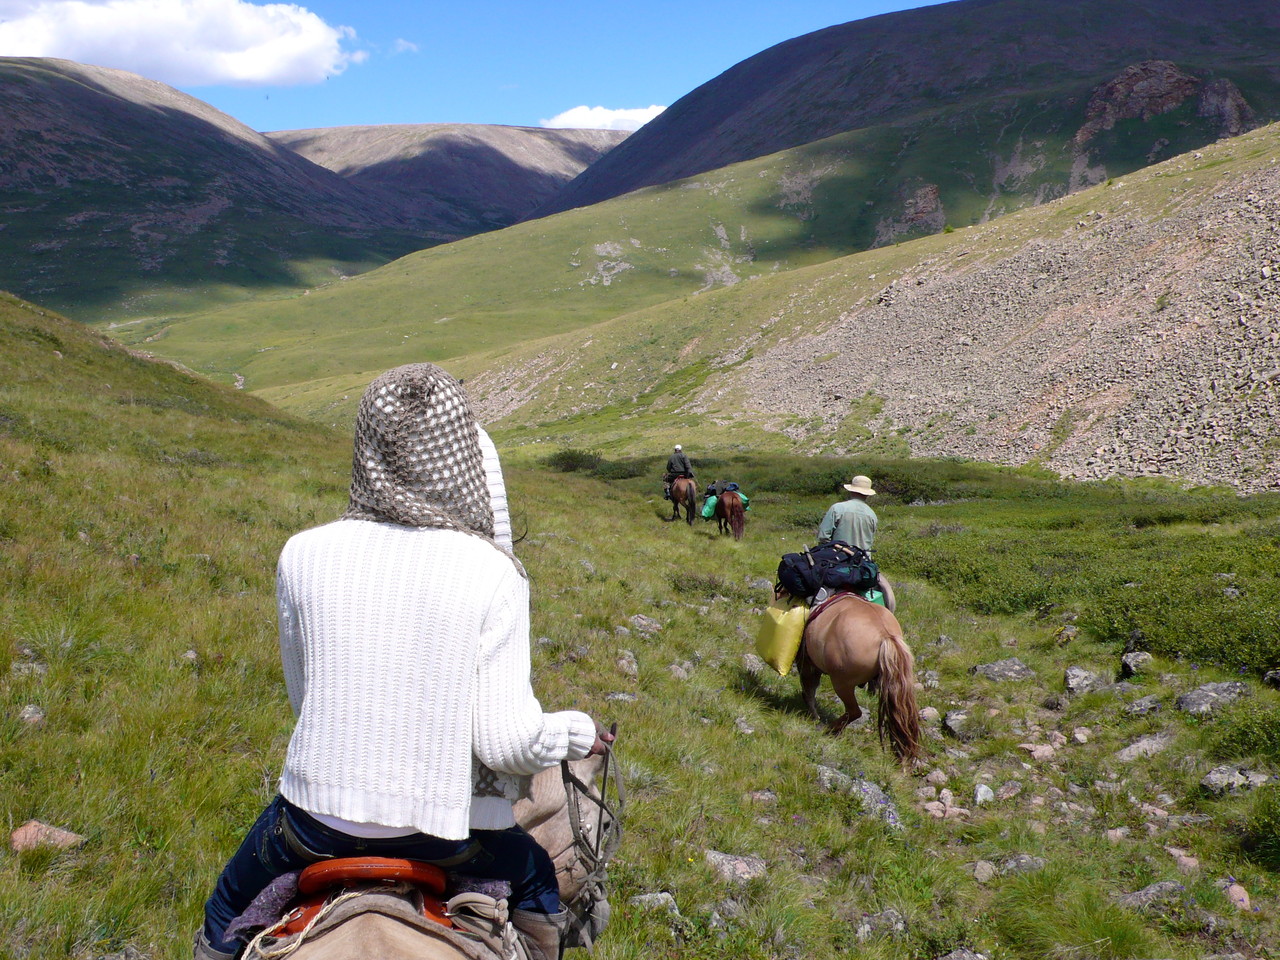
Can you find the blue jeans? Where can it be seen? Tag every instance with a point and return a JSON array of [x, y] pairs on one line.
[[287, 838]]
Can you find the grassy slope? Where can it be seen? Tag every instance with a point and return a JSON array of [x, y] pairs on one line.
[[541, 278], [658, 375], [146, 510]]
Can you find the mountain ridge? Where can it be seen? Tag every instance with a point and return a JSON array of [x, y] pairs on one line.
[[463, 178], [820, 84]]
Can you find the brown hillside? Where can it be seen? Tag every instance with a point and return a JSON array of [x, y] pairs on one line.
[[115, 186], [456, 177], [1131, 345]]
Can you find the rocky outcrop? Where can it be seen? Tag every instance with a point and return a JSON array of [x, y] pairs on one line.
[[920, 212], [1139, 92], [1123, 346]]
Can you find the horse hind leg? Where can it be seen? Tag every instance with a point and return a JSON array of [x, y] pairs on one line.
[[847, 692]]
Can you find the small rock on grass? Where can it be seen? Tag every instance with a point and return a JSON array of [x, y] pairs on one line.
[[887, 922], [1022, 863], [32, 714], [656, 901], [1153, 896], [1143, 706], [1038, 751], [1008, 669], [1235, 893], [34, 834], [753, 664], [736, 869], [982, 794], [984, 871], [964, 953], [645, 626], [1132, 664], [1145, 747]]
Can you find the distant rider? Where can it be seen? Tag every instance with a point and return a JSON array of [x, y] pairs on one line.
[[678, 465], [853, 521]]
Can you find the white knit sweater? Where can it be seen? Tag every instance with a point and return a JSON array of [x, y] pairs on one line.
[[406, 655]]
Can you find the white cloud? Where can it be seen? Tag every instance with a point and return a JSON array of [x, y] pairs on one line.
[[183, 42], [602, 118], [404, 46]]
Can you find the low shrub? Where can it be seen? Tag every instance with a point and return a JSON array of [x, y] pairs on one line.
[[1248, 729], [571, 460], [1261, 837]]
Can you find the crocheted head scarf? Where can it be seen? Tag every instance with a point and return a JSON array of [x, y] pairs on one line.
[[417, 459]]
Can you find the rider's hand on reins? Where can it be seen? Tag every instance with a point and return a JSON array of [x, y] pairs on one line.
[[603, 739]]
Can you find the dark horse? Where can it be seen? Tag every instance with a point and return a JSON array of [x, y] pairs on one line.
[[730, 515], [684, 492]]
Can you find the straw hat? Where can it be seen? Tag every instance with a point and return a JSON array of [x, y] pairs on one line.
[[860, 485]]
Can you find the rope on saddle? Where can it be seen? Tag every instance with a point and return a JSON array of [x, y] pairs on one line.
[[594, 854], [256, 948]]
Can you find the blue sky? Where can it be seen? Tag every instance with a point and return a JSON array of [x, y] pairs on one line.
[[321, 63]]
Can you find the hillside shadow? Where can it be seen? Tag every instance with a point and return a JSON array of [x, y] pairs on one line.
[[465, 184]]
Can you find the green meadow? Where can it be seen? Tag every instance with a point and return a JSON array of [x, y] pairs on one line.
[[695, 248], [144, 511]]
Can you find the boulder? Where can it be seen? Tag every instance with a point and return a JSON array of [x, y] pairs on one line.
[[956, 723], [1132, 664], [1206, 699], [1079, 680], [1010, 668], [1232, 779]]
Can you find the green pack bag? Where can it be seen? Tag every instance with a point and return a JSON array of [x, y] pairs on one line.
[[709, 508]]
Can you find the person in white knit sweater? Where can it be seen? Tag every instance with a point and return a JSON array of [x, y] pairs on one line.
[[404, 634]]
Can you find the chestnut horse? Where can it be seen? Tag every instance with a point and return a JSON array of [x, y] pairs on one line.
[[730, 515], [856, 642], [684, 493]]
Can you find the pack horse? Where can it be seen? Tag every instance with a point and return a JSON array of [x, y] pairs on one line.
[[858, 643]]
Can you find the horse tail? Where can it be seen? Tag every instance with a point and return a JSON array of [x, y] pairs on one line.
[[737, 518], [898, 717], [690, 501]]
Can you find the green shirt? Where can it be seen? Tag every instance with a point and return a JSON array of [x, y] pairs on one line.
[[851, 521]]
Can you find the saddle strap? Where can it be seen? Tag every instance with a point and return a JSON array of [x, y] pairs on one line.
[[822, 607]]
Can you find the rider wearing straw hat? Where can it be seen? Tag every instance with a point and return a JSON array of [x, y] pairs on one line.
[[851, 520], [854, 522]]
